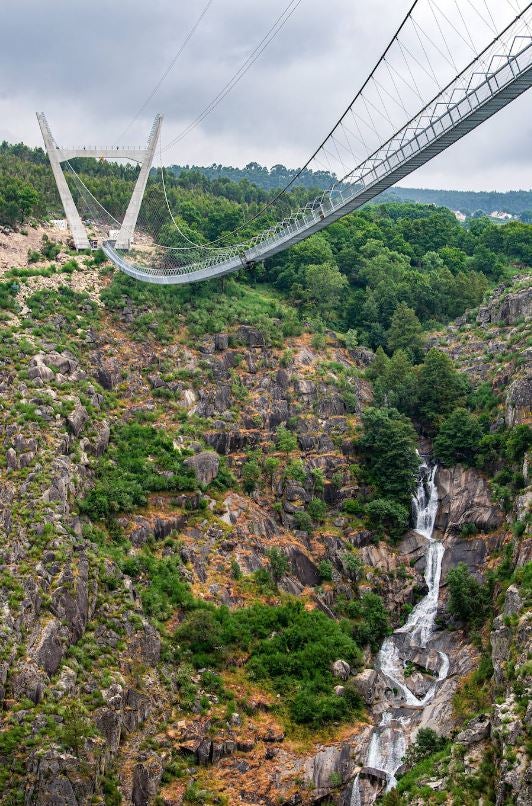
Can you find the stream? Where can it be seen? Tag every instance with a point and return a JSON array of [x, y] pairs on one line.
[[403, 709]]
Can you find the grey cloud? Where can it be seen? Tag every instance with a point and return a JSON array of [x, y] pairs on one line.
[[90, 64]]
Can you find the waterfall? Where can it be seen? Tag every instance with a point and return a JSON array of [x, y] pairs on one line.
[[389, 739]]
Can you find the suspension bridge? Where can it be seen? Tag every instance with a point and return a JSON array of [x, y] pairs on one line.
[[448, 68]]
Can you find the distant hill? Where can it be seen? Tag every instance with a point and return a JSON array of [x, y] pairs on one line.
[[266, 178], [469, 202]]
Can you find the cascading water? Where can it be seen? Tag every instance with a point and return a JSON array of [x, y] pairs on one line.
[[388, 741]]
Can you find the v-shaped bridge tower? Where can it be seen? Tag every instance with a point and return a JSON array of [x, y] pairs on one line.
[[143, 156]]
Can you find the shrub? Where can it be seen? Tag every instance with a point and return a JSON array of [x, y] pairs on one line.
[[289, 647], [468, 599], [303, 521], [285, 440], [251, 473], [458, 438], [353, 507], [353, 566], [427, 742], [317, 509], [236, 571], [386, 516], [160, 581], [278, 564], [296, 470], [140, 459], [325, 570]]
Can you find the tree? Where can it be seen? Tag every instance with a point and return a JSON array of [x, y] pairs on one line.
[[405, 333], [370, 620], [389, 446], [285, 440], [468, 599], [427, 742], [278, 563], [458, 438], [324, 287], [395, 382], [351, 339], [440, 387], [17, 200], [388, 516]]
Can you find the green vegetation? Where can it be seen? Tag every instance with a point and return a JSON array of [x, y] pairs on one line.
[[289, 648], [468, 599], [388, 445], [141, 459]]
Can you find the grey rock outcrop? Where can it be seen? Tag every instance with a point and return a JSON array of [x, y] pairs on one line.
[[476, 730], [146, 778], [506, 309], [519, 401], [465, 499], [76, 419], [205, 466]]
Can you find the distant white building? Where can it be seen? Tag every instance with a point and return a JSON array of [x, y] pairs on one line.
[[459, 216], [501, 216]]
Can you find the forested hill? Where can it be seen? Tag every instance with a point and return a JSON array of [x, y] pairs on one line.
[[469, 202], [517, 202]]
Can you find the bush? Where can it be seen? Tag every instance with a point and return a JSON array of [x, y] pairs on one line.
[[386, 516], [317, 509], [278, 563], [427, 742], [303, 521], [251, 473], [325, 570], [353, 507], [468, 599], [284, 440], [140, 459], [353, 566], [160, 581], [289, 647], [458, 438]]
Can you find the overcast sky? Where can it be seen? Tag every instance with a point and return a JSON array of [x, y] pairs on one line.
[[90, 64]]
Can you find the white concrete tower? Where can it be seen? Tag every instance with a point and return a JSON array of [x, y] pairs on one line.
[[144, 156]]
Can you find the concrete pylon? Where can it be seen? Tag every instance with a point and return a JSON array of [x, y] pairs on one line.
[[75, 224], [125, 236], [144, 156]]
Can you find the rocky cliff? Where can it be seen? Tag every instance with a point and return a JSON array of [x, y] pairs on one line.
[[96, 707]]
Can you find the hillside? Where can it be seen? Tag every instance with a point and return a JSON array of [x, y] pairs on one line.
[[517, 202], [206, 506]]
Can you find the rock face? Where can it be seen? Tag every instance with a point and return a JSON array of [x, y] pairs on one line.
[[511, 642], [464, 499], [205, 466], [519, 401], [146, 779], [506, 308]]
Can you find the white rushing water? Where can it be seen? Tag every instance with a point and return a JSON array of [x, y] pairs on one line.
[[389, 739]]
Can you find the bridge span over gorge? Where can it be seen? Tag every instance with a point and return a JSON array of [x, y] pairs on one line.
[[448, 68]]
